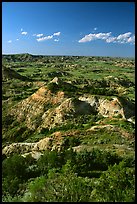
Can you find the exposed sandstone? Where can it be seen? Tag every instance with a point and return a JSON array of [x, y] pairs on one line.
[[18, 148], [104, 106], [45, 109], [43, 144], [35, 149], [97, 127]]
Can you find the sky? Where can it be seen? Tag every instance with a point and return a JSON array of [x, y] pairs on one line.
[[69, 28]]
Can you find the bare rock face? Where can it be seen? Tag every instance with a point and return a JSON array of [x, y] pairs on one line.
[[111, 108], [36, 155], [97, 127], [32, 109], [43, 144], [45, 109], [55, 80], [69, 107], [92, 100], [35, 149], [56, 116], [105, 107], [19, 148]]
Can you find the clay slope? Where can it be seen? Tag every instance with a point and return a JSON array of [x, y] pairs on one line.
[[110, 107], [36, 149], [32, 109], [45, 109]]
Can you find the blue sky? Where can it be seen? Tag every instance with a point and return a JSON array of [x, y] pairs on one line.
[[69, 28]]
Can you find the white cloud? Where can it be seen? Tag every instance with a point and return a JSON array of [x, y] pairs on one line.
[[111, 39], [91, 36], [17, 39], [40, 38], [10, 41], [87, 38], [39, 35], [95, 28], [56, 40], [45, 38], [102, 36], [21, 29], [57, 34], [122, 38], [131, 39], [24, 33]]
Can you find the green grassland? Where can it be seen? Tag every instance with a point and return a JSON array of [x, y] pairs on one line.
[[104, 168]]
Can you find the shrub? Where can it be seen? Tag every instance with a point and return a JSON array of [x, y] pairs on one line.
[[71, 142], [59, 187], [49, 160], [53, 87], [10, 185], [96, 160], [117, 184], [7, 120], [14, 166], [14, 173], [69, 155], [9, 198]]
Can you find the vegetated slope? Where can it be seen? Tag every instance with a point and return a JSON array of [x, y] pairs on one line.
[[50, 107], [8, 73], [70, 123], [19, 57]]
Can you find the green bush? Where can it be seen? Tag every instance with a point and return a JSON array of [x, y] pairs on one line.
[[96, 160], [36, 190], [53, 87], [49, 160], [59, 187], [14, 173], [14, 166], [117, 184], [7, 120], [71, 142], [69, 155], [9, 198], [10, 185]]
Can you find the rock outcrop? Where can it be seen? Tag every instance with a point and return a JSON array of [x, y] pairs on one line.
[[34, 149], [105, 107], [32, 109], [18, 148], [45, 109]]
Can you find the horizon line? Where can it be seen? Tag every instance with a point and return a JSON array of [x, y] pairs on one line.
[[67, 55]]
